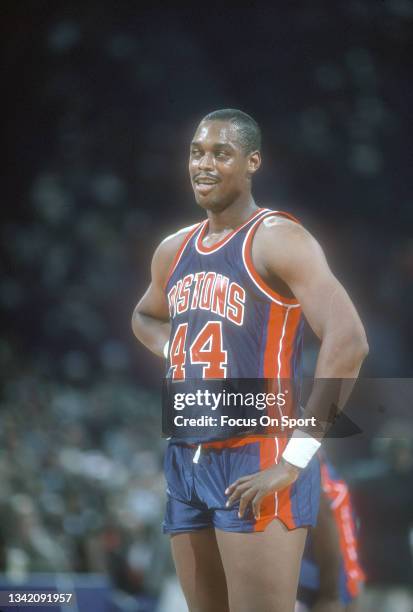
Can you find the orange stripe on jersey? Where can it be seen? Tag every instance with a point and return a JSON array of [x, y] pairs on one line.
[[180, 251], [281, 331], [275, 324], [291, 324]]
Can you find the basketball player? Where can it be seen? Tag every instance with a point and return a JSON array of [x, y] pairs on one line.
[[331, 577], [226, 301]]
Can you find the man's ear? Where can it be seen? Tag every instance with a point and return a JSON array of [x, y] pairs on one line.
[[254, 162]]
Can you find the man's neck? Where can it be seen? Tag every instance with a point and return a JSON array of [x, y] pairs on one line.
[[231, 217]]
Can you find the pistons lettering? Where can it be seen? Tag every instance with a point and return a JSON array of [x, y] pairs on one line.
[[208, 291]]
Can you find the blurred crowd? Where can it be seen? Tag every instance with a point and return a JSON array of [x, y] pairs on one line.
[[103, 98], [81, 481]]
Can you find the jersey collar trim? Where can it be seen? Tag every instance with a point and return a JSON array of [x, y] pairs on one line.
[[204, 250]]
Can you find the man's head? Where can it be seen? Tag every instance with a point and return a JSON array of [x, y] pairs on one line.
[[224, 155]]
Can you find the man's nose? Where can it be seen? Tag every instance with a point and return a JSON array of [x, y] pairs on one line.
[[206, 162]]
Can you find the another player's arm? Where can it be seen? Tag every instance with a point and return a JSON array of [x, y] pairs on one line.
[[328, 556], [286, 250], [150, 319]]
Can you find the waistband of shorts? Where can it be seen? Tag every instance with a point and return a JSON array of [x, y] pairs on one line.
[[234, 442]]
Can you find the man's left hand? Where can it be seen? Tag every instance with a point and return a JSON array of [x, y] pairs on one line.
[[254, 487]]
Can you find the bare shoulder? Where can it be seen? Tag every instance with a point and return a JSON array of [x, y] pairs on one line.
[[166, 251], [170, 245], [278, 228], [281, 244]]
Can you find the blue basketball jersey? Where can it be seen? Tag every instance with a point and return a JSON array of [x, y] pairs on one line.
[[226, 322]]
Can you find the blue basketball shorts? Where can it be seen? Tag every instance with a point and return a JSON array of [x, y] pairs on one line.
[[196, 490]]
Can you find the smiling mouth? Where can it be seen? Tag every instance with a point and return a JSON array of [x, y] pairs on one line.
[[205, 180], [205, 184]]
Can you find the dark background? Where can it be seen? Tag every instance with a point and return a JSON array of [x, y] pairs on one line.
[[99, 102]]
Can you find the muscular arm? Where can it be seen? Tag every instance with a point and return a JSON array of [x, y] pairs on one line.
[[286, 250], [150, 319]]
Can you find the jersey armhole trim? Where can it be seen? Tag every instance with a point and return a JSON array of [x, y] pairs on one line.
[[180, 252], [252, 272]]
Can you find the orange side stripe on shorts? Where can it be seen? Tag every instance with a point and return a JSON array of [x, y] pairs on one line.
[[267, 459]]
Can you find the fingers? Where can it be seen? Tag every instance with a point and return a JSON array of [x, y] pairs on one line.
[[241, 480], [251, 489], [256, 504], [249, 495], [247, 492], [237, 492], [245, 499]]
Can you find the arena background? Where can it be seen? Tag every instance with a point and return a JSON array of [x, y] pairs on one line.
[[99, 101]]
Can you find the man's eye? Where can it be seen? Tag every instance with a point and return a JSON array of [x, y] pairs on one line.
[[221, 155], [195, 152]]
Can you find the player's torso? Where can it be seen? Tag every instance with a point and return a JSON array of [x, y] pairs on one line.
[[226, 322]]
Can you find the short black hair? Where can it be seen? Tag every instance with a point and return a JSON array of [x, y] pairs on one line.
[[248, 129]]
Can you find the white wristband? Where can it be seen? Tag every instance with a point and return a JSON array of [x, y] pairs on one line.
[[166, 349], [300, 449]]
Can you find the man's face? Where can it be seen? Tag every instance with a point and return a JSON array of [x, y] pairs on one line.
[[218, 167]]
